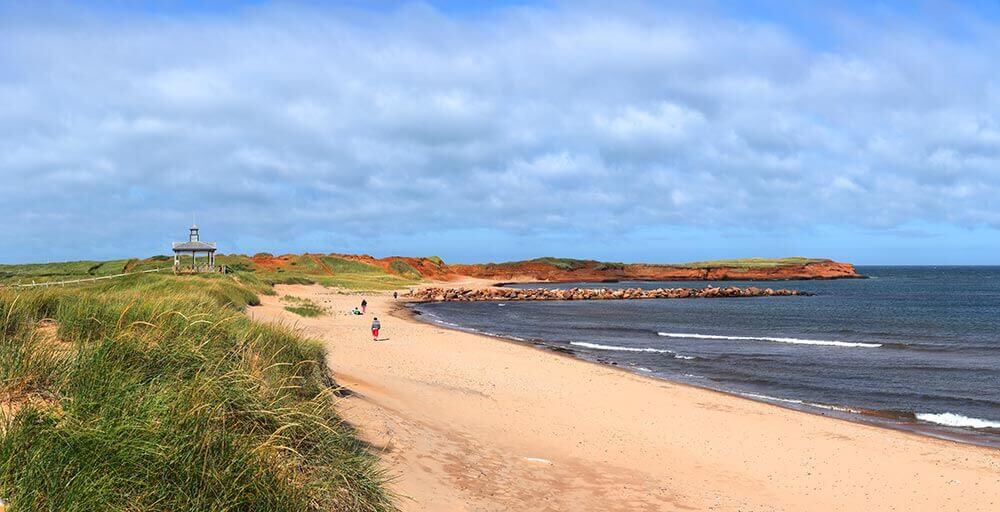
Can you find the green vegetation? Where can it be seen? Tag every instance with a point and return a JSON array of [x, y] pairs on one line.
[[305, 269], [154, 392], [610, 266], [751, 263], [744, 263], [355, 275], [42, 272], [404, 269], [302, 306], [560, 263], [332, 271]]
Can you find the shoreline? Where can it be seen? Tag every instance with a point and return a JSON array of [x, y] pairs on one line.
[[465, 423], [839, 412]]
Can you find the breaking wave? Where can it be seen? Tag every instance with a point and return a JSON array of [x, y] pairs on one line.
[[597, 346], [615, 348], [956, 420], [795, 341], [799, 402]]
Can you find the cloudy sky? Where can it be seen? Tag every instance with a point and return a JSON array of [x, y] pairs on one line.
[[867, 132]]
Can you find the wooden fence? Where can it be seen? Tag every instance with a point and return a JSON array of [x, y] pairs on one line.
[[86, 280]]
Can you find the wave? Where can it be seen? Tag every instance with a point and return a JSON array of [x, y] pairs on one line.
[[799, 402], [956, 420], [615, 348], [946, 418], [795, 341]]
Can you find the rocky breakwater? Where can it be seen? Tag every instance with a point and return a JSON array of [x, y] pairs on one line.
[[514, 294]]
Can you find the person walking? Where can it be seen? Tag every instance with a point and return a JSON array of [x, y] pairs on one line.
[[375, 327], [364, 305]]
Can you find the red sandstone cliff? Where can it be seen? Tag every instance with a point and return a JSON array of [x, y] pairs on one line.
[[577, 270], [564, 270]]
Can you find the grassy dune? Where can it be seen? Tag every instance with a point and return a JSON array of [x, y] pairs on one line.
[[41, 272], [334, 272], [302, 307], [155, 392], [300, 269]]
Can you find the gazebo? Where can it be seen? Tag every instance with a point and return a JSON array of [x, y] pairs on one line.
[[194, 246]]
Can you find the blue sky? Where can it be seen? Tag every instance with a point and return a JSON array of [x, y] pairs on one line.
[[863, 131]]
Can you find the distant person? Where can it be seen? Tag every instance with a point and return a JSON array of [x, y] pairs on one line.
[[395, 295], [375, 327], [355, 311], [364, 305]]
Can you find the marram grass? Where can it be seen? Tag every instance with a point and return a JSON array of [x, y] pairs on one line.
[[155, 393], [302, 306]]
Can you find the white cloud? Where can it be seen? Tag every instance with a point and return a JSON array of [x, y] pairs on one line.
[[303, 123]]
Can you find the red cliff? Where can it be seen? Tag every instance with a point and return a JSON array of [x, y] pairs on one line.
[[562, 270]]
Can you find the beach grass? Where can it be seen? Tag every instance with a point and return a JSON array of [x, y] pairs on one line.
[[302, 306], [155, 392], [42, 272]]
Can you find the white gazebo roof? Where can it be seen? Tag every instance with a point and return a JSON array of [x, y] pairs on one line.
[[194, 246]]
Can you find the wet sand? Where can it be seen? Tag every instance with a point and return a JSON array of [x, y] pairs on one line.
[[470, 422]]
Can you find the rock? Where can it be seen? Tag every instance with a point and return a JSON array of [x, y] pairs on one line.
[[515, 294]]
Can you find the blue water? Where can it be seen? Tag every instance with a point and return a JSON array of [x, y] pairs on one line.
[[912, 346]]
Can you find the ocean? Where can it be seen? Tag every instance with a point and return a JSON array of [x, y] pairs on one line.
[[916, 348]]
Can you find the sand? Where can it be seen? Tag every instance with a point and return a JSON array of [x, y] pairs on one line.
[[469, 422]]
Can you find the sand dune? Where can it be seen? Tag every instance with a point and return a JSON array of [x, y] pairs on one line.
[[470, 422]]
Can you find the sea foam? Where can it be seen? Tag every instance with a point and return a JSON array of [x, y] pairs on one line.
[[615, 348], [799, 402], [597, 346], [956, 420], [795, 341]]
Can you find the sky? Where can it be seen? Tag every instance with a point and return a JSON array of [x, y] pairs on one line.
[[866, 132]]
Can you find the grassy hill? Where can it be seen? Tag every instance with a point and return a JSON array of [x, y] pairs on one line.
[[154, 392]]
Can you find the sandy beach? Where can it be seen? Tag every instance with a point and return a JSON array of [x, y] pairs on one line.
[[468, 422]]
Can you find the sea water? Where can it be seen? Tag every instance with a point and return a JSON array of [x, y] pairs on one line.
[[912, 347]]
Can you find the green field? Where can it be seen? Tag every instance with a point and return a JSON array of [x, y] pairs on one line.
[[155, 392]]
